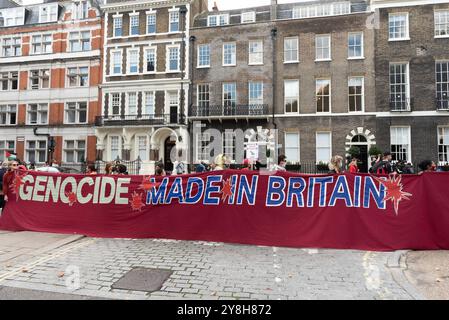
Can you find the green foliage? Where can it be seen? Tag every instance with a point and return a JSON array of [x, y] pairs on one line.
[[354, 151], [374, 151]]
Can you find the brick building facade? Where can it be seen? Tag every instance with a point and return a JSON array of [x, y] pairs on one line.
[[145, 80], [50, 73]]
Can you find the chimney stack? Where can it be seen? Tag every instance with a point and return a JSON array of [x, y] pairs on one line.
[[274, 9], [215, 7]]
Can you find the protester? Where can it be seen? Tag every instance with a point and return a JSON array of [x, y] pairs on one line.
[[220, 162], [280, 166], [8, 178], [91, 170], [160, 169], [3, 170], [353, 167], [121, 169], [247, 165], [108, 168], [427, 166], [179, 168], [336, 165], [200, 168], [383, 166]]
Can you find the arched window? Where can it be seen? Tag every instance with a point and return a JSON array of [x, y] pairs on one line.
[[359, 138]]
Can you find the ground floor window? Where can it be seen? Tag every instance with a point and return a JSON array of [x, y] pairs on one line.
[[400, 143], [443, 144], [229, 145], [74, 151], [142, 151], [323, 147], [114, 147], [36, 151], [202, 147], [6, 146], [292, 147]]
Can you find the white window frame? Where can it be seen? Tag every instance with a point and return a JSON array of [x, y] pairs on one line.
[[14, 16], [12, 46], [362, 52], [409, 141], [43, 44], [445, 153], [289, 147], [407, 91], [40, 76], [328, 36], [78, 75], [202, 150], [297, 50], [128, 60], [291, 97], [235, 101], [436, 12], [228, 137], [321, 147], [110, 104], [131, 17], [119, 154], [151, 14], [145, 96], [39, 114], [8, 114], [49, 12], [248, 17], [199, 65], [221, 20], [407, 26], [78, 12], [137, 147], [115, 19], [5, 148], [37, 141], [145, 60], [233, 57], [111, 62], [330, 95], [258, 101], [251, 55], [9, 80], [440, 94], [75, 150], [127, 104], [80, 40], [77, 112], [167, 65], [172, 12], [362, 95]]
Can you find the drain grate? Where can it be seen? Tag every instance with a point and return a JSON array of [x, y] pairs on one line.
[[143, 279]]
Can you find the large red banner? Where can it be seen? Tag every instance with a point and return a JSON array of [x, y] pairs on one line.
[[308, 211]]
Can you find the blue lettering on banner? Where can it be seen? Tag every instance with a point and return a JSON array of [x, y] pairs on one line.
[[194, 199], [377, 194], [208, 200], [276, 186], [341, 192], [157, 196], [322, 182], [295, 191], [175, 191], [246, 190]]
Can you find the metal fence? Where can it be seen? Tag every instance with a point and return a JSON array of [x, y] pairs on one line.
[[132, 167]]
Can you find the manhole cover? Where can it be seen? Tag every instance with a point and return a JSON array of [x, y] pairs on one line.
[[143, 279]]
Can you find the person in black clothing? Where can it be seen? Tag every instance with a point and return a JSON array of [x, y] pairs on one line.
[[383, 166], [3, 170]]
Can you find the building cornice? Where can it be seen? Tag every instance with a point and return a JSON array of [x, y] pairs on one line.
[[141, 5]]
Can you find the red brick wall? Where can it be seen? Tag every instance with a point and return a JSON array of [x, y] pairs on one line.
[[21, 114], [56, 115], [91, 148]]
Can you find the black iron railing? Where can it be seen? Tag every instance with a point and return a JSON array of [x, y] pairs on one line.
[[144, 119], [251, 110], [401, 105], [132, 167]]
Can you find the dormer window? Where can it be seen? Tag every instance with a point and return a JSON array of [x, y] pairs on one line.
[[80, 10], [248, 17], [48, 13], [13, 17], [218, 20]]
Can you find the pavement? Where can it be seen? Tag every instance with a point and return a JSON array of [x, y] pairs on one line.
[[428, 271], [75, 267]]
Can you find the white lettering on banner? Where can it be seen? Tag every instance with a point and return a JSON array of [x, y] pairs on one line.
[[39, 188], [103, 190], [29, 189], [79, 192]]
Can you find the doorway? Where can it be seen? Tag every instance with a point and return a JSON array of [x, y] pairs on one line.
[[360, 142], [168, 146]]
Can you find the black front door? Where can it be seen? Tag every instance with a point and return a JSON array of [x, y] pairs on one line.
[[168, 146], [173, 114], [363, 159]]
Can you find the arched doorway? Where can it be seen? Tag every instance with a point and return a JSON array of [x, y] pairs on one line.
[[361, 143]]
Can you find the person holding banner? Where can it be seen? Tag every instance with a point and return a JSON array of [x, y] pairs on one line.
[[3, 170], [8, 178], [282, 162], [336, 165]]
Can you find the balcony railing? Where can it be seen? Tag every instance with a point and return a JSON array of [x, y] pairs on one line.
[[252, 110], [401, 105], [140, 120]]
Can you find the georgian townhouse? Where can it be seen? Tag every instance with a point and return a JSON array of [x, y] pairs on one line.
[[305, 69], [49, 75], [412, 79], [145, 81]]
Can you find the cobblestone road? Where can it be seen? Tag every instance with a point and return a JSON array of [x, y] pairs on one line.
[[204, 270]]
